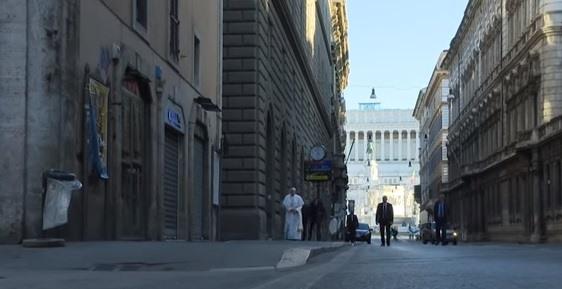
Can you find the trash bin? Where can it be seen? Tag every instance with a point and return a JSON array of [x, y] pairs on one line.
[[58, 187]]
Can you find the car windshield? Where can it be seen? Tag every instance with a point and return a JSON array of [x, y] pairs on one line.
[[363, 226]]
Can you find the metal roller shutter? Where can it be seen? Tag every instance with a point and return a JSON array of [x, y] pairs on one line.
[[171, 184]]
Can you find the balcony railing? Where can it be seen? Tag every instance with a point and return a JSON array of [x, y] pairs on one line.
[[524, 136], [552, 127], [488, 81]]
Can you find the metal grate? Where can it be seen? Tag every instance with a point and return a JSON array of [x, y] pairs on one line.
[[171, 184]]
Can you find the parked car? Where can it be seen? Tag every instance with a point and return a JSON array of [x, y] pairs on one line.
[[427, 234], [363, 233]]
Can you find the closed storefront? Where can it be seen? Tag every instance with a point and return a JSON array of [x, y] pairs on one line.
[[173, 168], [171, 184]]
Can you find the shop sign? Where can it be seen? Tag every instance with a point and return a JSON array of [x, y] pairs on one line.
[[174, 117], [318, 171]]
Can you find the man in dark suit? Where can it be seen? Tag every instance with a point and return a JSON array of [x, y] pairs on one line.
[[440, 217], [317, 215], [305, 219], [385, 217], [351, 225]]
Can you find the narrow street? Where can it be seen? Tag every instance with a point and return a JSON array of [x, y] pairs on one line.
[[406, 264]]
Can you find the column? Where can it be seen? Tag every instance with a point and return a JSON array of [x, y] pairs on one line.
[[391, 142], [355, 155], [400, 145], [361, 146], [409, 145], [382, 145], [538, 229], [369, 144], [417, 155]]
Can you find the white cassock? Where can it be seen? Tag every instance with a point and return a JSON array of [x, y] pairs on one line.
[[293, 216]]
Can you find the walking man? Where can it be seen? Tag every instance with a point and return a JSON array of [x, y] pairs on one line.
[[351, 224], [293, 216], [305, 211], [440, 216], [384, 218], [317, 213]]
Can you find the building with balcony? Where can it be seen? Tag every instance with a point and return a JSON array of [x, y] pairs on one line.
[[432, 111], [340, 58], [505, 128]]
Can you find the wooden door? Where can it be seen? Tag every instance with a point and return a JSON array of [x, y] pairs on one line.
[[133, 192]]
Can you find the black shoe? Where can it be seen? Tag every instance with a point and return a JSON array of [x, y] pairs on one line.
[[382, 245], [388, 244]]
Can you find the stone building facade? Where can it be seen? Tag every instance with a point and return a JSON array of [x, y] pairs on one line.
[[340, 58], [432, 111], [506, 121], [279, 96], [123, 94]]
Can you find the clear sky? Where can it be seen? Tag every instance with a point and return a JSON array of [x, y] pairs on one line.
[[394, 46]]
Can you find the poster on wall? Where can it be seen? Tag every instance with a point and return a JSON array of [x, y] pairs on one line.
[[97, 113]]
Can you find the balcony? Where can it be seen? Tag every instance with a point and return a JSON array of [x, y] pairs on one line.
[[552, 127], [524, 136]]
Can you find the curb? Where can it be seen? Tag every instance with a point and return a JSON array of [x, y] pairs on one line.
[[42, 243], [296, 257]]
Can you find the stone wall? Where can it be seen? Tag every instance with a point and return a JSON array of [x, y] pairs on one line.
[[39, 91], [267, 75], [13, 16]]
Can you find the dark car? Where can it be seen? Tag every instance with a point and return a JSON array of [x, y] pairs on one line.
[[427, 234], [363, 233]]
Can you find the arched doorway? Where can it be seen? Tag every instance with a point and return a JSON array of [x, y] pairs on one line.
[[200, 196], [132, 200]]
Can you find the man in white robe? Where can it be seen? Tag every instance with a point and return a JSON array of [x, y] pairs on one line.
[[293, 215]]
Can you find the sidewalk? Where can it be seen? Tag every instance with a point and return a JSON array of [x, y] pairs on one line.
[[164, 256]]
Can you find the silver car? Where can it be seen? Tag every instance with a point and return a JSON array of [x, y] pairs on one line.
[[427, 234]]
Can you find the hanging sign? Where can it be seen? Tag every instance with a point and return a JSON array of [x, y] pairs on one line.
[[318, 171]]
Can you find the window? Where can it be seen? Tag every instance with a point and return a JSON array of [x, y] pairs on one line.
[[196, 55], [141, 14], [174, 30]]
